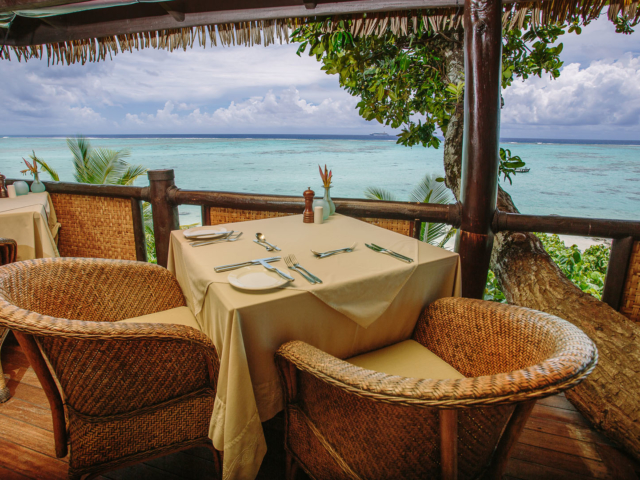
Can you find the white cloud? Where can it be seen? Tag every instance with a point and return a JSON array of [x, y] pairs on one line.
[[271, 112], [605, 93]]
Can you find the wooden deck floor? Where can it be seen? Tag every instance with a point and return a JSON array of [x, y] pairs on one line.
[[557, 442]]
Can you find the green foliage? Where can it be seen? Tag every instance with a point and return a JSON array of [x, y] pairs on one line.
[[52, 173], [509, 163], [101, 165], [429, 190], [587, 270], [401, 77], [492, 291]]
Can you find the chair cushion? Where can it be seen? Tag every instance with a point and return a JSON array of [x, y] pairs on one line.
[[176, 316], [406, 359]]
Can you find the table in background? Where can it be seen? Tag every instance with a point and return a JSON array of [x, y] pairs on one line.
[[31, 221], [248, 327]]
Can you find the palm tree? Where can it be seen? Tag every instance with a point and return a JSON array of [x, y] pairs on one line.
[[430, 190], [98, 166]]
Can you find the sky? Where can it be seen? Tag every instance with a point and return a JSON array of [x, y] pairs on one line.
[[271, 90]]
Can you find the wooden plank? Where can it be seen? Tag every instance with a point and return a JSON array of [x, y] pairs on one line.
[[559, 414], [560, 444], [28, 413], [7, 474], [534, 471], [568, 430], [426, 212], [28, 436], [618, 464], [33, 395], [562, 461], [22, 374], [588, 227], [114, 191], [557, 402]]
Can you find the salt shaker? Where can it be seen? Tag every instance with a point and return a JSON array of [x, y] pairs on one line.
[[307, 217], [318, 214]]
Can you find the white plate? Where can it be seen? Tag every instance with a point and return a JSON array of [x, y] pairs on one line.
[[255, 277], [204, 232]]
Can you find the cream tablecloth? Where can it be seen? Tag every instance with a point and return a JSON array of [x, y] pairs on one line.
[[367, 301], [31, 221]]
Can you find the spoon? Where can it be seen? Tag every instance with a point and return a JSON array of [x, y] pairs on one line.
[[262, 239]]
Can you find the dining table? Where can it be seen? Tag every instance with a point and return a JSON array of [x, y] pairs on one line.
[[367, 300], [31, 221]]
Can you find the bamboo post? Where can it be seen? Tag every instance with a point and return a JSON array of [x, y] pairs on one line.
[[481, 144], [165, 213], [621, 249]]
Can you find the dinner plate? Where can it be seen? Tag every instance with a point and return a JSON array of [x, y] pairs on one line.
[[255, 277], [204, 232]]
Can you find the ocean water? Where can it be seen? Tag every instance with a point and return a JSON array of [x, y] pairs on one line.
[[566, 178]]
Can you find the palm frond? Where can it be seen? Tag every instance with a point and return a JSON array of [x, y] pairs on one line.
[[377, 193], [52, 173], [131, 173], [80, 148], [429, 190]]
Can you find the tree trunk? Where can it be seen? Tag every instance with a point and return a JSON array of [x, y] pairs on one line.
[[610, 397]]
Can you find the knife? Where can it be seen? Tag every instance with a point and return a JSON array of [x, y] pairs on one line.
[[274, 269], [233, 266]]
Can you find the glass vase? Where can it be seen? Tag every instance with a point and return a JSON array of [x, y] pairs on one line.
[[37, 186], [327, 198], [326, 206]]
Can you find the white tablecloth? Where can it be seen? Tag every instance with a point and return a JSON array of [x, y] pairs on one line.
[[247, 328]]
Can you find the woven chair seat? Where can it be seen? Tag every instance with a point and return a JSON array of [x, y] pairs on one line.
[[344, 421], [132, 390]]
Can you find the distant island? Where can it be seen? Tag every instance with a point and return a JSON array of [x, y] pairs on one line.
[[383, 134]]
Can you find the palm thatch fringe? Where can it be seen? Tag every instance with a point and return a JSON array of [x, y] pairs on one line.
[[265, 32]]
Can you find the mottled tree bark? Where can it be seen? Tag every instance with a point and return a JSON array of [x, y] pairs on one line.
[[610, 397]]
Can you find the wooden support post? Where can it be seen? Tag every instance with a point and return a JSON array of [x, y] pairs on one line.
[[417, 228], [481, 141], [138, 230], [205, 215], [165, 214], [614, 282], [508, 440], [449, 444]]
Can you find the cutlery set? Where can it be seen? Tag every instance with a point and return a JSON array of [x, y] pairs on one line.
[[290, 260]]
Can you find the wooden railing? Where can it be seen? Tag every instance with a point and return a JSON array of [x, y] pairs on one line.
[[165, 197]]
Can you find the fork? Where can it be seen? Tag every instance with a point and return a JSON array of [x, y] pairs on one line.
[[228, 238], [334, 252], [291, 266], [296, 264]]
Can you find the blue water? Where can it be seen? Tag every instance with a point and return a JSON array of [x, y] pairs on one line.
[[581, 179]]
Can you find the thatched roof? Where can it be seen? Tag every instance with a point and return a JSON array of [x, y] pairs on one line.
[[68, 31]]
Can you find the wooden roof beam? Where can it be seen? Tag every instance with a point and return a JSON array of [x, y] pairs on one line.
[[12, 5], [145, 17]]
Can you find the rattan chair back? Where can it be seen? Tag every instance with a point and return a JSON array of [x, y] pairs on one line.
[[131, 391], [345, 422]]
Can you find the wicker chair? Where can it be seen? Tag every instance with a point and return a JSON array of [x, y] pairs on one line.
[[345, 422], [8, 253], [132, 391]]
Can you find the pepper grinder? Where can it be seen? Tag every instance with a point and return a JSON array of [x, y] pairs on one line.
[[3, 188], [307, 217]]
